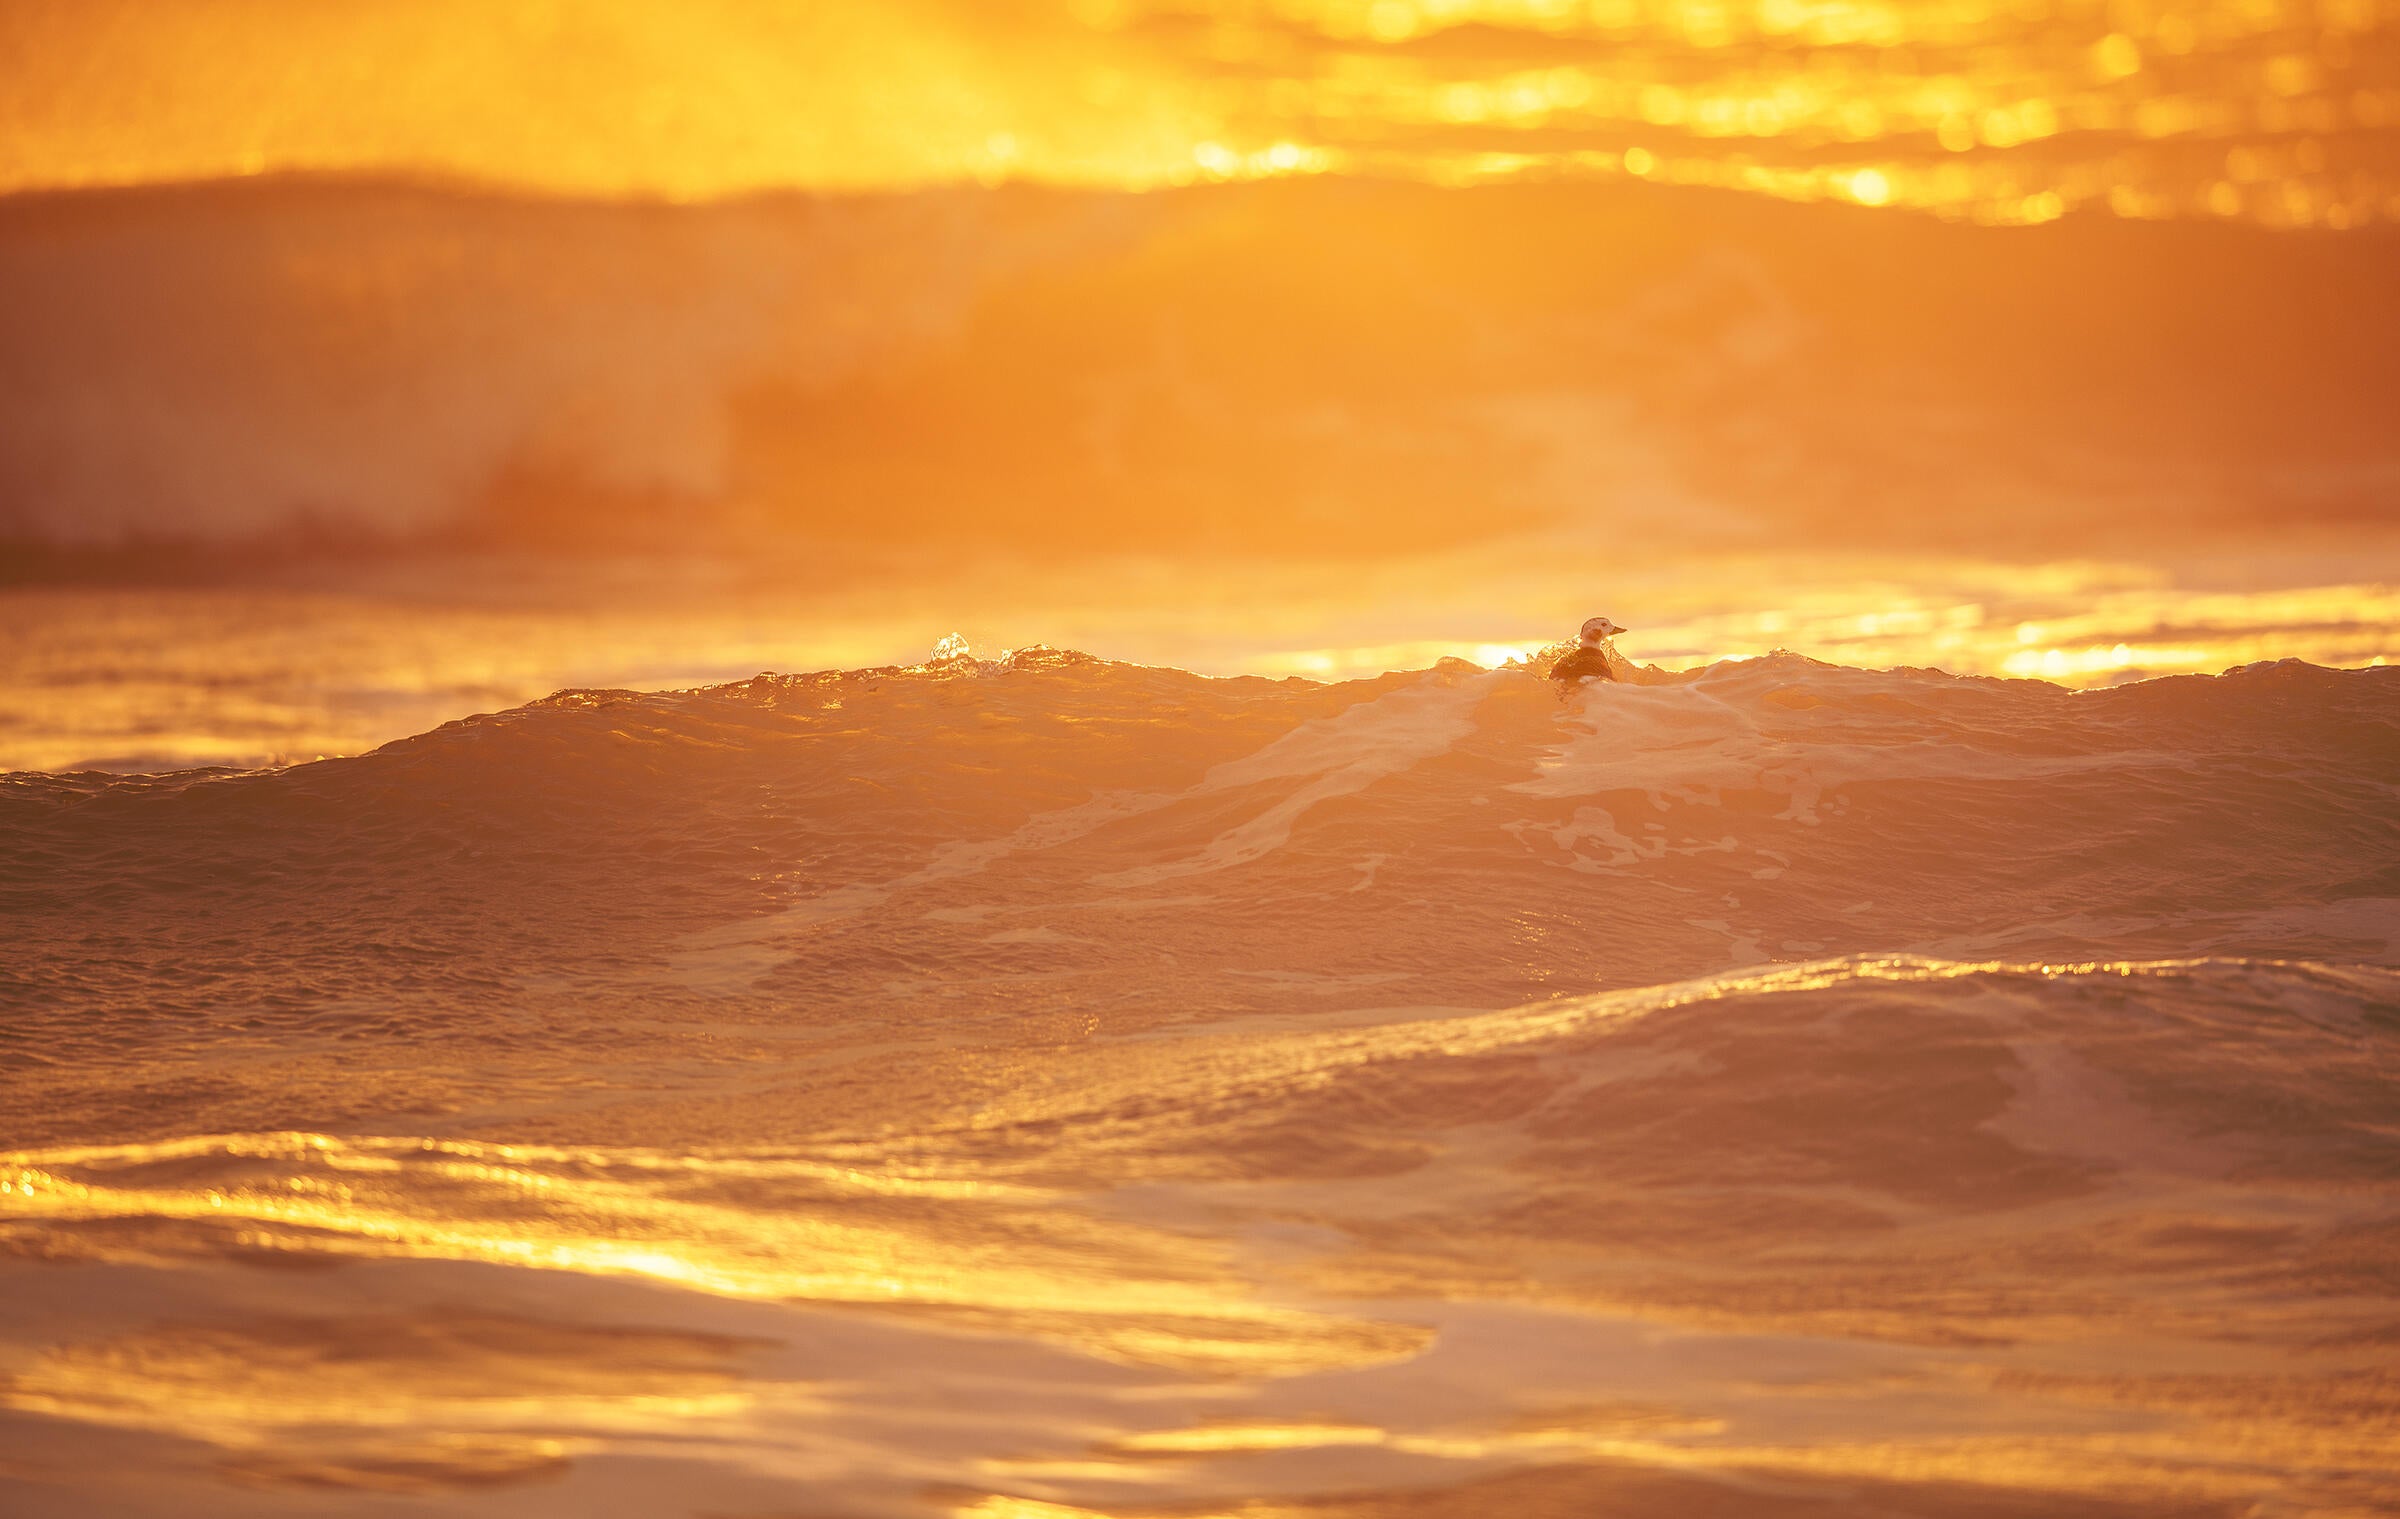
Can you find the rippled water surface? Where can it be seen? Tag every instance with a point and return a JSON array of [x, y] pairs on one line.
[[525, 992], [1053, 1087]]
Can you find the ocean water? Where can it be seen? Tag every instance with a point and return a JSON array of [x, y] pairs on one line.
[[2277, 112], [1044, 1087], [479, 1037], [142, 678]]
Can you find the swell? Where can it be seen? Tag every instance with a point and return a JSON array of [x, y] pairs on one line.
[[2209, 1127], [1264, 1086], [1053, 843]]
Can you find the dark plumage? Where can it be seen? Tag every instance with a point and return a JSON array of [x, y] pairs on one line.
[[1586, 663]]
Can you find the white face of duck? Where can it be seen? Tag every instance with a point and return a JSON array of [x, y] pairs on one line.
[[1599, 628]]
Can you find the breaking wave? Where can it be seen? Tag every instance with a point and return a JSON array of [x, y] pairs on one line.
[[216, 378]]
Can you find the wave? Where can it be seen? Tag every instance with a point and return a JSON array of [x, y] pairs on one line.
[[1890, 1177], [2028, 1085], [1057, 840], [1045, 1085], [221, 378]]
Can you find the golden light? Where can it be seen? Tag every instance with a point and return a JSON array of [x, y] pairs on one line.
[[838, 758], [699, 101]]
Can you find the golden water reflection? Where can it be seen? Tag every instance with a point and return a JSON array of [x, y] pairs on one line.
[[2267, 111], [2131, 1369], [780, 1228], [2118, 633], [159, 680]]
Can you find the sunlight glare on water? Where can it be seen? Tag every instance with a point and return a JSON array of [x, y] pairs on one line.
[[770, 759], [2268, 111], [1038, 1080], [148, 681]]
